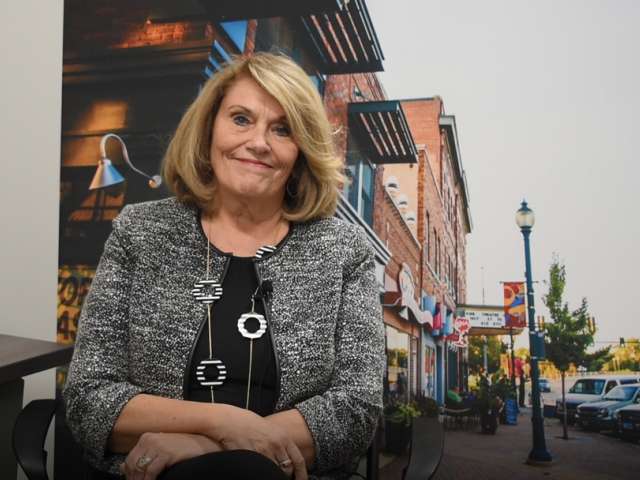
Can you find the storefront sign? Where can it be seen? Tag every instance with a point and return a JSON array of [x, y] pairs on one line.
[[487, 317], [461, 324]]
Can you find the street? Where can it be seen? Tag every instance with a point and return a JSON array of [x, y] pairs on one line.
[[585, 456]]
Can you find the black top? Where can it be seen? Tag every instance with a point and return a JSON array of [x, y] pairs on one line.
[[230, 347]]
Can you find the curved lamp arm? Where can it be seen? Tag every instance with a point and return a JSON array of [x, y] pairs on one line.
[[154, 182]]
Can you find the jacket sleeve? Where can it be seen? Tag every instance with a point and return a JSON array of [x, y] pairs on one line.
[[97, 386], [343, 419]]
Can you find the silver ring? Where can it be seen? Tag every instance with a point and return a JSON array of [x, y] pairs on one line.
[[143, 462], [285, 463]]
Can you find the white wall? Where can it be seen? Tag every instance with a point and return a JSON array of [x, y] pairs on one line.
[[30, 99]]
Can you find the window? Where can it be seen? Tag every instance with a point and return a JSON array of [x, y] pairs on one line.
[[359, 190], [610, 385], [237, 32], [588, 386], [426, 240], [366, 210], [398, 358]]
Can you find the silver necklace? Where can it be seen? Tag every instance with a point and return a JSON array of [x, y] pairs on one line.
[[207, 291]]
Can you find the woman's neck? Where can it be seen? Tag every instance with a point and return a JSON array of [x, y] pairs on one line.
[[242, 227]]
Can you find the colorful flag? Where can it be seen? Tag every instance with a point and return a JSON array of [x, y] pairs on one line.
[[514, 305], [437, 321], [448, 323]]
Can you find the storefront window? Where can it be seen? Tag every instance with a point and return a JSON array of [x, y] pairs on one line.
[[397, 364], [429, 386]]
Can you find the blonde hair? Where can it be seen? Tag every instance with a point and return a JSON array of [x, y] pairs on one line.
[[318, 172]]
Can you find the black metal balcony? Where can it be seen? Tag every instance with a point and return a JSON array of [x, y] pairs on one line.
[[383, 130], [344, 38]]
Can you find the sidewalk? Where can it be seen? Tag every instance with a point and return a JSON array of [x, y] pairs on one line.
[[586, 456]]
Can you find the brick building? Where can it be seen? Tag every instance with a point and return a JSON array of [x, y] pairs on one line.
[[435, 203]]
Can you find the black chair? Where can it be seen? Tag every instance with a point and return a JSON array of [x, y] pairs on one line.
[[32, 424]]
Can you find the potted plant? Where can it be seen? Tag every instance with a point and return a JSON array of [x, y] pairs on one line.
[[397, 426], [427, 406]]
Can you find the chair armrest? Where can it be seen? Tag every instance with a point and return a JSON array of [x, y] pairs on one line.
[[29, 434], [427, 446]]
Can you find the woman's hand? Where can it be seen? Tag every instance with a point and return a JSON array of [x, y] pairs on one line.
[[239, 429], [155, 452]]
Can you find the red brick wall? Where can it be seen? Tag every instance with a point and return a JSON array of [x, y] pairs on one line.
[[338, 93], [391, 228], [423, 116], [108, 24]]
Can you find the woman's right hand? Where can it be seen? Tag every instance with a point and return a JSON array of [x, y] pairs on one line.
[[239, 429], [159, 451]]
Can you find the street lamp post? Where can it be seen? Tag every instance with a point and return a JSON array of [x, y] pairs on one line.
[[539, 454]]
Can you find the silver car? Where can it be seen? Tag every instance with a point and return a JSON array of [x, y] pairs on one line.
[[601, 415]]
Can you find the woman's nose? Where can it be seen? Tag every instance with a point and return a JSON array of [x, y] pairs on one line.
[[259, 142]]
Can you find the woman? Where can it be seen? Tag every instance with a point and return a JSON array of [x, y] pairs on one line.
[[237, 323]]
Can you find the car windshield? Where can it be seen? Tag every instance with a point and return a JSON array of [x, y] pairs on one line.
[[622, 394], [588, 386]]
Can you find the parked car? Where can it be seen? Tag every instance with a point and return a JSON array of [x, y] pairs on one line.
[[601, 415], [545, 385], [628, 419], [590, 389]]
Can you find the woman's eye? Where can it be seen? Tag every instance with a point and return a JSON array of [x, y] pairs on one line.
[[241, 120], [282, 130]]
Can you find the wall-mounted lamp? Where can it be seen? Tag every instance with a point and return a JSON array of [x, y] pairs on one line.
[[107, 174]]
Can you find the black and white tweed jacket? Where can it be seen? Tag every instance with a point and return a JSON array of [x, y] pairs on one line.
[[140, 321]]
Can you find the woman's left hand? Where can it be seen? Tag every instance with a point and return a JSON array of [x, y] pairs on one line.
[[155, 452]]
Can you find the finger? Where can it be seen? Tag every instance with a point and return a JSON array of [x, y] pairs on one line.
[[299, 465], [156, 467], [283, 459], [139, 471], [130, 462]]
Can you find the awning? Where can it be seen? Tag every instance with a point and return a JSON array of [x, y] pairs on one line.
[[396, 300], [384, 131], [225, 10], [490, 332], [344, 38]]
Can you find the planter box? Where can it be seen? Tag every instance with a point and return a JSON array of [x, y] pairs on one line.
[[397, 437]]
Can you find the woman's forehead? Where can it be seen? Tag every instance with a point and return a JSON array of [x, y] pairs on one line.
[[246, 93]]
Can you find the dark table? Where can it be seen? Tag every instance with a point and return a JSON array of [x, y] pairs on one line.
[[20, 357]]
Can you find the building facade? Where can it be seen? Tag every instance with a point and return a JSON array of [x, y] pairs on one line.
[[434, 200]]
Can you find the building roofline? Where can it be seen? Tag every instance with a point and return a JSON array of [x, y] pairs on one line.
[[448, 123]]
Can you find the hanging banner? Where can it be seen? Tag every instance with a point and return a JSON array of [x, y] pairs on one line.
[[515, 314], [437, 321], [448, 323]]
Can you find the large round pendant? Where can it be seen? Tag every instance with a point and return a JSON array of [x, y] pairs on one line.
[[243, 329], [202, 377]]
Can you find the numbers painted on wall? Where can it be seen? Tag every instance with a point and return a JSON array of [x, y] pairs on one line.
[[73, 286]]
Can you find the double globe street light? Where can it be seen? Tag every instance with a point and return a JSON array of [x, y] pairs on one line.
[[525, 219]]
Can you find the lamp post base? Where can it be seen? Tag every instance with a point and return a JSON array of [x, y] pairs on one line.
[[539, 458]]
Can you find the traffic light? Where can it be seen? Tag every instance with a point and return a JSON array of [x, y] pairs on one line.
[[622, 341], [592, 325]]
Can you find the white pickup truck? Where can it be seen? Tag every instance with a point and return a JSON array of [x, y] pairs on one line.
[[590, 389]]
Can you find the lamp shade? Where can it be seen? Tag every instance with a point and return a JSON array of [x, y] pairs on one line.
[[524, 216], [106, 175]]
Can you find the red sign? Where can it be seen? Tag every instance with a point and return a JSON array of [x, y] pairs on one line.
[[462, 325]]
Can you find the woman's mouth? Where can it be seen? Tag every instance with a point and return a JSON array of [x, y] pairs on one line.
[[253, 162]]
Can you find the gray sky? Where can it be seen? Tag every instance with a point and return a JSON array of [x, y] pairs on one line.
[[544, 93]]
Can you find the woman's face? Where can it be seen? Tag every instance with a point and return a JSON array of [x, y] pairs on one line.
[[252, 150]]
